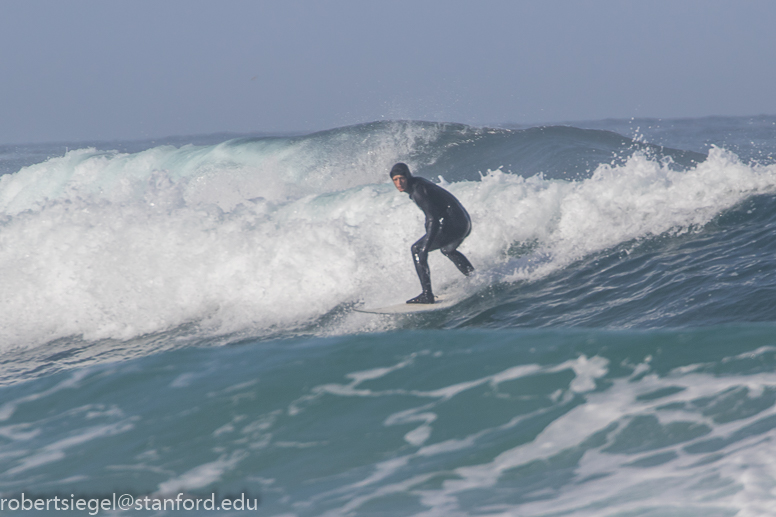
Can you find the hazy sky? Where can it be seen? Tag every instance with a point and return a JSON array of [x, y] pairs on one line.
[[78, 70]]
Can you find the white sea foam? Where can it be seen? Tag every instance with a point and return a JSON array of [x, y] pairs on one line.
[[57, 451], [202, 475], [242, 239]]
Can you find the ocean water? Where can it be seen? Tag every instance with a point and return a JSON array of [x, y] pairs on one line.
[[178, 317]]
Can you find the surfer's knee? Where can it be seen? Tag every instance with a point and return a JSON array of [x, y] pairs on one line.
[[418, 252], [450, 250]]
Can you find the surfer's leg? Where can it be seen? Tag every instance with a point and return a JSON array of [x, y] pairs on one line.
[[454, 231], [450, 251], [460, 261], [420, 258]]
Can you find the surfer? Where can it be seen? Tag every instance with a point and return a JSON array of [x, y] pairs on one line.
[[447, 225]]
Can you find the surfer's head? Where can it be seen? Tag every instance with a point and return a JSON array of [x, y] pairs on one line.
[[400, 174]]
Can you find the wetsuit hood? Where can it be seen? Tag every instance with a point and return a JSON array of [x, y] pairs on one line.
[[401, 169]]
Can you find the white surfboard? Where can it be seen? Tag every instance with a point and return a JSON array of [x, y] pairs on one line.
[[442, 302]]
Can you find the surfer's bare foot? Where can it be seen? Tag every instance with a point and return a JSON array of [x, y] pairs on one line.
[[422, 298]]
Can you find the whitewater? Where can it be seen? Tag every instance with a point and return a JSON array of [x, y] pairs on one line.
[[179, 317]]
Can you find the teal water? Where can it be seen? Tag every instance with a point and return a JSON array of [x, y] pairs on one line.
[[533, 422], [179, 319]]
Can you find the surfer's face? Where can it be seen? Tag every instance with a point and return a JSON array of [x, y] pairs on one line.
[[400, 182]]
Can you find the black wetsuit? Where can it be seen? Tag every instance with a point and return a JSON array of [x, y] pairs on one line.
[[447, 225]]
